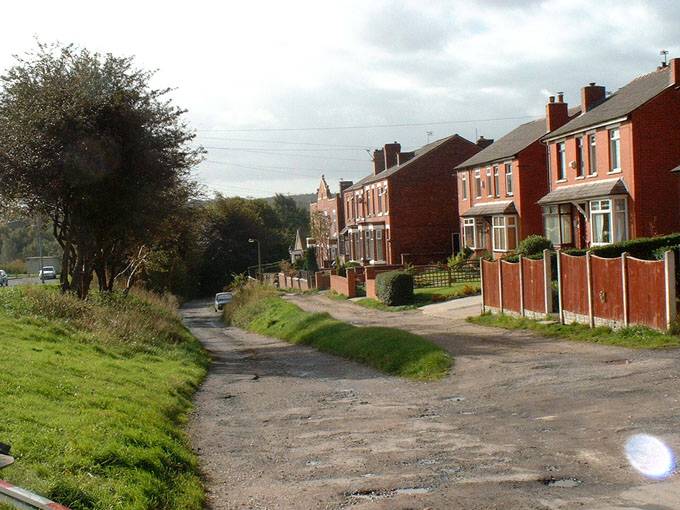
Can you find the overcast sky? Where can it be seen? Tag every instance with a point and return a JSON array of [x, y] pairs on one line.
[[256, 76]]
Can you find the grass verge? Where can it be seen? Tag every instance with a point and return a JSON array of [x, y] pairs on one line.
[[423, 296], [390, 350], [95, 396], [637, 337]]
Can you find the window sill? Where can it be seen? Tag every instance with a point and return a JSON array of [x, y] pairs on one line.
[[561, 180], [580, 178], [590, 176], [509, 194], [614, 172]]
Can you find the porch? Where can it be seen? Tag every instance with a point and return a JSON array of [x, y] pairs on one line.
[[366, 244]]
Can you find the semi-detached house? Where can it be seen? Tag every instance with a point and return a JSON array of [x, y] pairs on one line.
[[611, 168], [406, 210], [498, 187]]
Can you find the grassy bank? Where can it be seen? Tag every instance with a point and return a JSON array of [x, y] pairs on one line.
[[425, 296], [637, 337], [94, 399], [392, 351]]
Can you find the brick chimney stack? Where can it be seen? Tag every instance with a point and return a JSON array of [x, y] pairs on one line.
[[403, 157], [483, 143], [591, 96], [344, 185], [391, 152], [556, 113], [674, 64], [378, 161]]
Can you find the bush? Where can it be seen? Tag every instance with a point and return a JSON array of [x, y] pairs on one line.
[[533, 245], [641, 248], [457, 260], [395, 288], [17, 266], [309, 262]]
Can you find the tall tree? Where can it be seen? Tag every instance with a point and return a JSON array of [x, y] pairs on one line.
[[87, 142]]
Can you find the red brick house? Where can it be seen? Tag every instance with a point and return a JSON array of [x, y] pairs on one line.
[[406, 210], [327, 219], [611, 168], [498, 187]]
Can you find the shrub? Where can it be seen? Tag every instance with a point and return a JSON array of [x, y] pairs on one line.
[[309, 262], [395, 288], [17, 266], [533, 245], [642, 247], [457, 260]]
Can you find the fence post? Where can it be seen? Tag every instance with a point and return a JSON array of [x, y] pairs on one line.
[[589, 281], [560, 311], [624, 286], [669, 267], [521, 286], [449, 273], [481, 283], [547, 281], [500, 284]]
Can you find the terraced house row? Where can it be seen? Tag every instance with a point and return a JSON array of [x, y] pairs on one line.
[[607, 170]]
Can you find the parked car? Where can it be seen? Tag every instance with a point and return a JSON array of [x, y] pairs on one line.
[[47, 273], [4, 281], [221, 299]]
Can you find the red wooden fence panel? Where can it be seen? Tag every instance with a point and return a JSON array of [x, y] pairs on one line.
[[647, 292], [490, 281], [574, 280], [511, 286], [607, 285], [533, 278]]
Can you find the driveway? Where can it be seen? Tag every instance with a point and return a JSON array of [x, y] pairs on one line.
[[522, 422]]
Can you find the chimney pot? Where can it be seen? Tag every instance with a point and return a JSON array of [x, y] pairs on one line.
[[560, 97], [484, 142], [592, 84], [556, 113], [552, 99]]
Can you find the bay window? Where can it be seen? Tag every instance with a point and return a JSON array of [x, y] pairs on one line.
[[608, 221], [504, 233], [614, 150], [557, 223], [508, 179], [474, 233]]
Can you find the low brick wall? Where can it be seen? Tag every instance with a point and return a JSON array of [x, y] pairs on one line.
[[323, 280], [345, 285], [371, 273]]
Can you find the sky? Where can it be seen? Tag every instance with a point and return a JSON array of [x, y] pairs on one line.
[[281, 92]]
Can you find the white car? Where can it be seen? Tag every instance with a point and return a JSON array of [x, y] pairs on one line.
[[221, 299], [47, 273]]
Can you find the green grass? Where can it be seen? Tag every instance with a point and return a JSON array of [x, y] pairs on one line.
[[423, 296], [637, 337], [95, 397], [392, 351]]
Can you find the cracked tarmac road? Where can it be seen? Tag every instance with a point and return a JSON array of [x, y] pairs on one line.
[[285, 426]]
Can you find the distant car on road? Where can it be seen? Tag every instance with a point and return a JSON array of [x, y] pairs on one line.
[[221, 299], [4, 281], [47, 273]]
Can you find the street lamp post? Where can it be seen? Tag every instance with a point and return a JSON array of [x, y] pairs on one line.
[[259, 257]]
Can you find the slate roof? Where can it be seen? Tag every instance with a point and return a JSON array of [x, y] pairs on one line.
[[490, 208], [512, 143], [587, 190], [620, 103], [418, 153]]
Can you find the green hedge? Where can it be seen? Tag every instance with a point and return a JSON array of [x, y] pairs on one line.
[[394, 288], [642, 248]]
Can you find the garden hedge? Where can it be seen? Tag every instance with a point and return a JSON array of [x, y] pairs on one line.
[[394, 288], [641, 248]]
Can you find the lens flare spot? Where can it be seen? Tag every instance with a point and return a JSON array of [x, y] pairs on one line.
[[650, 456]]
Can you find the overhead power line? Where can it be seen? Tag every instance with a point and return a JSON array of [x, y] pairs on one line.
[[287, 142], [367, 126], [282, 170], [278, 153]]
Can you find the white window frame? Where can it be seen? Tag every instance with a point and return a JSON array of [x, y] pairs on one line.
[[559, 214], [592, 154], [489, 182], [496, 181], [561, 162], [595, 209], [509, 188], [614, 135], [463, 185], [478, 183], [476, 223], [505, 227], [580, 161]]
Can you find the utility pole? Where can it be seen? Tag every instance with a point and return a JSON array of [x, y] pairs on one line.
[[259, 257]]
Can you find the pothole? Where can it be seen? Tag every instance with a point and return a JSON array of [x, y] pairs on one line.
[[618, 361], [375, 494], [455, 399], [562, 483]]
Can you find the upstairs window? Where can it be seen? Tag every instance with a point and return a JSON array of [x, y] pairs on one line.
[[508, 179], [496, 181], [368, 203], [614, 150], [380, 200], [592, 155], [463, 186], [561, 162], [489, 183], [580, 166], [478, 183]]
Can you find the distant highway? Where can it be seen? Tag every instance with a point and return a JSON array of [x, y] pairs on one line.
[[31, 280]]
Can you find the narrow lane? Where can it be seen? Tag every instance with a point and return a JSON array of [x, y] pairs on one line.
[[284, 426]]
